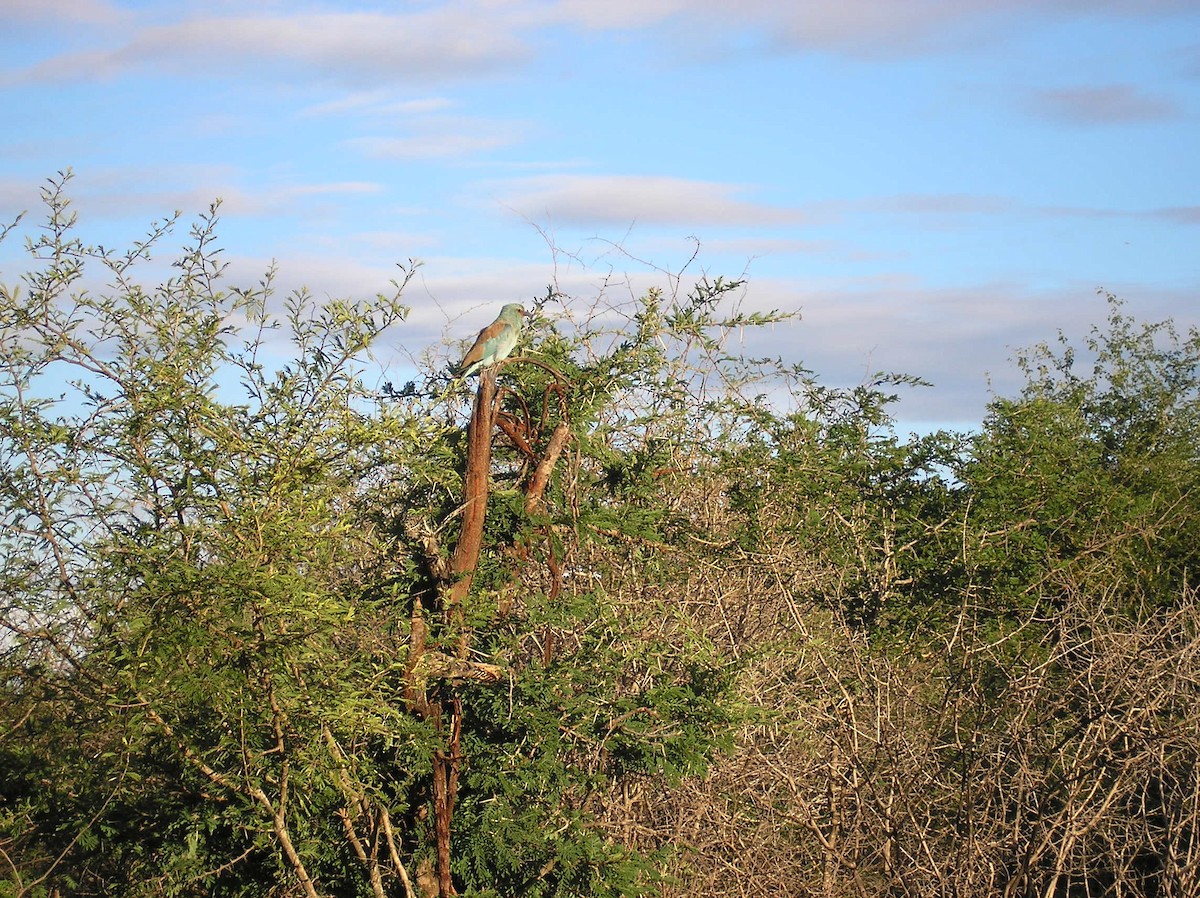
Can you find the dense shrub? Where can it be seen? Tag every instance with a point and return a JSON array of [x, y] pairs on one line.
[[712, 642]]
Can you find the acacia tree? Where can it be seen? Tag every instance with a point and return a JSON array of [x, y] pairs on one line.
[[1108, 497], [185, 580], [241, 653]]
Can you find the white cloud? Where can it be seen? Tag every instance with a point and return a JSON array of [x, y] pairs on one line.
[[17, 195], [455, 39], [942, 204], [700, 29], [647, 199], [762, 245], [418, 128], [960, 339], [133, 192], [379, 103], [427, 146], [286, 199], [1179, 214], [617, 14], [942, 210], [441, 43], [84, 12], [1100, 105], [441, 137]]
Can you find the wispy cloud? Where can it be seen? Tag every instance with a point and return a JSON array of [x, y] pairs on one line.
[[868, 28], [440, 137], [131, 192], [416, 128], [1111, 104], [1180, 214], [438, 44], [960, 339], [761, 245], [455, 39], [618, 14], [941, 204], [84, 12], [957, 207], [286, 199], [379, 103], [428, 146], [607, 200]]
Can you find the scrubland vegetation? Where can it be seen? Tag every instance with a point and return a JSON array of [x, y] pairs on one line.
[[727, 632]]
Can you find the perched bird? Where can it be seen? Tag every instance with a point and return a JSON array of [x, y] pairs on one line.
[[495, 341]]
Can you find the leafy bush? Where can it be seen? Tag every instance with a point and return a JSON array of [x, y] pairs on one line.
[[216, 559], [721, 630]]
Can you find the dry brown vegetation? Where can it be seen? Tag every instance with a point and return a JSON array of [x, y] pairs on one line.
[[972, 763]]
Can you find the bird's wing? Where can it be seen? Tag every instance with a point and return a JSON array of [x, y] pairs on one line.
[[477, 352]]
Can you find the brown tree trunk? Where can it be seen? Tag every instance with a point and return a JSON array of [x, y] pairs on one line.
[[445, 792], [475, 496], [443, 706], [463, 562]]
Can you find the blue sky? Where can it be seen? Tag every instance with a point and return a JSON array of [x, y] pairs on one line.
[[931, 183]]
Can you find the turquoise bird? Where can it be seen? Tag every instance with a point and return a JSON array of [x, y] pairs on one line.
[[495, 341]]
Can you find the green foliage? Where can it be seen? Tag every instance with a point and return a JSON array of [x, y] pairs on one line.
[[868, 511], [187, 574], [229, 665], [1079, 482], [214, 536], [1092, 480]]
